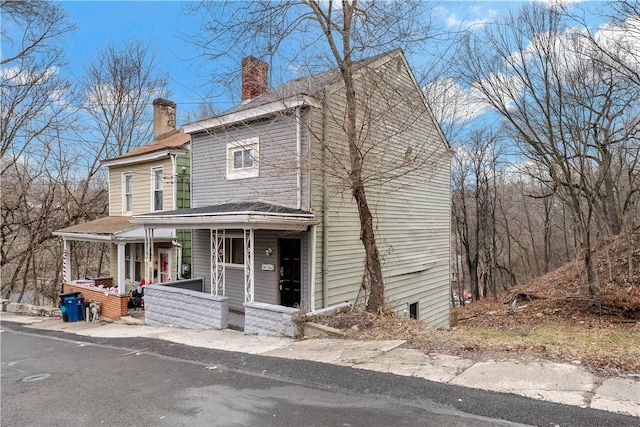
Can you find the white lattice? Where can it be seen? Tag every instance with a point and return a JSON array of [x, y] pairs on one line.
[[248, 265]]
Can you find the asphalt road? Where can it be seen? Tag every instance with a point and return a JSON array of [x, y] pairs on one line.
[[51, 378]]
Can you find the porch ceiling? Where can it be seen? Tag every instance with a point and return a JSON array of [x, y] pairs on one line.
[[254, 215], [110, 228]]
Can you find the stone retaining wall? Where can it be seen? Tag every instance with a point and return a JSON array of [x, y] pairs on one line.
[[268, 319], [169, 306]]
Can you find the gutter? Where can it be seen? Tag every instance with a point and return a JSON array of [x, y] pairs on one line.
[[249, 113]]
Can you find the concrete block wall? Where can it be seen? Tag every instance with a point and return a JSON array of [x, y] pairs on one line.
[[268, 319], [164, 305], [112, 306]]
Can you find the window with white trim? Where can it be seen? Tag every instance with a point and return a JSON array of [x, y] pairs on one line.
[[127, 193], [234, 251], [157, 189], [243, 158]]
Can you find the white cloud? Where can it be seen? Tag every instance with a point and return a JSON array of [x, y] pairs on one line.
[[475, 17], [452, 103], [560, 4]]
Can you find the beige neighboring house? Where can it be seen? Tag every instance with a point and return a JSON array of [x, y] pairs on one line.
[[152, 178]]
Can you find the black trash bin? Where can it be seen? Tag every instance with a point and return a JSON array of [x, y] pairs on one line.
[[63, 309]]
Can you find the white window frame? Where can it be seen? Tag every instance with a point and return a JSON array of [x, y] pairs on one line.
[[240, 147], [154, 170], [228, 245], [126, 211]]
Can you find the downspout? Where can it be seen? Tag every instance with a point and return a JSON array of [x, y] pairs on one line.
[[298, 151], [314, 228], [325, 207], [109, 190], [174, 190]]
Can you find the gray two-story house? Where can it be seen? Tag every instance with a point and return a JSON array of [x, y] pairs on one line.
[[273, 220]]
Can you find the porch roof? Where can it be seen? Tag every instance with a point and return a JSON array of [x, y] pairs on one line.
[[255, 215], [110, 228]]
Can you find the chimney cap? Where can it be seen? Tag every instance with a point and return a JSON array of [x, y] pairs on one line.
[[164, 102]]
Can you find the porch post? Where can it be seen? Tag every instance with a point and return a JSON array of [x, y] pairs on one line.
[[66, 256], [217, 262], [148, 255], [121, 275], [248, 265]]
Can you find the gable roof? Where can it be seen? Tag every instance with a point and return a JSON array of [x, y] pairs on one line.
[[170, 141], [309, 85], [300, 91]]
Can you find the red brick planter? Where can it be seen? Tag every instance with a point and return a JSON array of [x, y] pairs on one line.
[[112, 305]]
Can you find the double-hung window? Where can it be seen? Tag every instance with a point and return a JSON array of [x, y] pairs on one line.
[[243, 158], [157, 189], [127, 193]]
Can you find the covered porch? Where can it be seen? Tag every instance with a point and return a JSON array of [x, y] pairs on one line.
[[256, 257], [126, 254]]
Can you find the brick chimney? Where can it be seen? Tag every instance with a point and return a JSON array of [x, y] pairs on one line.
[[254, 78], [164, 116]]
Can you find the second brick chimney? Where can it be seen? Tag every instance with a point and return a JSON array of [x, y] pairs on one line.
[[254, 78], [164, 116]]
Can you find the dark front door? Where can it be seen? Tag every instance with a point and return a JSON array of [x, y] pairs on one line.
[[290, 267]]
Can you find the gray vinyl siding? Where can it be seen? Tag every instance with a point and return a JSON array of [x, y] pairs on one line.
[[266, 286], [277, 180], [411, 213]]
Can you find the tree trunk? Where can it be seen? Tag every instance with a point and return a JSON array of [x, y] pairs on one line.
[[587, 258], [373, 266]]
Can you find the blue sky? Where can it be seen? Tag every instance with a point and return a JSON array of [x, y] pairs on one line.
[[158, 23], [161, 24]]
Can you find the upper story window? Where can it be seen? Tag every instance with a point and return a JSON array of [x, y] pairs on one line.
[[243, 159], [127, 193], [157, 189]]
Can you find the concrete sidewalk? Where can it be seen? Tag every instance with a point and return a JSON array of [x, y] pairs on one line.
[[565, 383]]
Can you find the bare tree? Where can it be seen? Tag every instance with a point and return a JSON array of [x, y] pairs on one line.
[[31, 86], [537, 77], [118, 87], [35, 109], [50, 176], [336, 34], [474, 209]]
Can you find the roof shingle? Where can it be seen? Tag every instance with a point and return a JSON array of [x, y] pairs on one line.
[[176, 139]]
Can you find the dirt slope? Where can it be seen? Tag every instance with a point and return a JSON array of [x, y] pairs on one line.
[[554, 319]]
